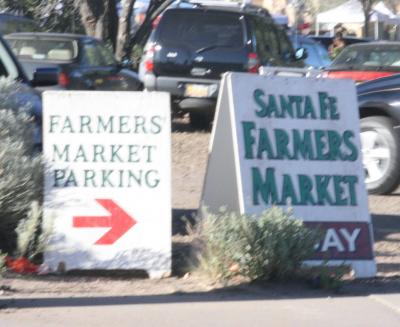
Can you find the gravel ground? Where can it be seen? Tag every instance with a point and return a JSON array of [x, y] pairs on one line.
[[189, 153]]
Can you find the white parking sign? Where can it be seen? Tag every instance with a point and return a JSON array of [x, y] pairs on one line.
[[108, 180]]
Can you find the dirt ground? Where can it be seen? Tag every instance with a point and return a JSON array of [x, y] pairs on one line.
[[189, 153]]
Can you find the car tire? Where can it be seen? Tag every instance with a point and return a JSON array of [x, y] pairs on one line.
[[200, 120], [380, 146]]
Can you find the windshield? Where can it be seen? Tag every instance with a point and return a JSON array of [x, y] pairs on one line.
[[44, 49], [200, 30], [372, 57]]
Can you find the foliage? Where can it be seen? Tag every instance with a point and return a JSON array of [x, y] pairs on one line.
[[51, 15], [20, 167], [2, 263], [32, 237], [270, 246], [327, 277]]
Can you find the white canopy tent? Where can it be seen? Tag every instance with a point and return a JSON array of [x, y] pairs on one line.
[[351, 12]]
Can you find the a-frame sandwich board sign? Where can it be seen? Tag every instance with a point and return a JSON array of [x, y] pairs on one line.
[[293, 142]]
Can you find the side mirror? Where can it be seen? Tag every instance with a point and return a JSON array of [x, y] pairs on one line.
[[300, 54], [126, 63], [45, 77]]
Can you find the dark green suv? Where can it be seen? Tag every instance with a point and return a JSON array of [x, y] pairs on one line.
[[190, 48]]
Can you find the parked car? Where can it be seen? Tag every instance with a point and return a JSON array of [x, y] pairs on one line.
[[366, 61], [379, 103], [190, 49], [317, 54], [84, 63], [25, 98]]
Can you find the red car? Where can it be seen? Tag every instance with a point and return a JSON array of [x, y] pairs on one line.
[[366, 61]]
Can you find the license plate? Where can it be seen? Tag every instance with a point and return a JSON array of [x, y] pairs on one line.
[[196, 90]]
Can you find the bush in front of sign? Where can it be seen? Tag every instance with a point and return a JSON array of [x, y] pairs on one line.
[[270, 246], [20, 174], [2, 263]]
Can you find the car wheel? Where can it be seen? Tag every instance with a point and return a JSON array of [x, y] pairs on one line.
[[380, 147], [200, 120]]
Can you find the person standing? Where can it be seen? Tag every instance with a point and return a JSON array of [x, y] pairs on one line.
[[337, 45]]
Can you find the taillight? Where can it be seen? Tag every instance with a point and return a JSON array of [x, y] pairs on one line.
[[156, 22], [253, 63], [63, 79], [148, 59]]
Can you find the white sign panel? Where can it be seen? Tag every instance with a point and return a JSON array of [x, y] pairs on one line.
[[294, 142], [108, 180]]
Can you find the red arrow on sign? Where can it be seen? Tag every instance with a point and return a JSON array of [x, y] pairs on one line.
[[119, 221]]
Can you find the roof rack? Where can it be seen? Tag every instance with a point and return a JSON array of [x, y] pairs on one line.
[[243, 6]]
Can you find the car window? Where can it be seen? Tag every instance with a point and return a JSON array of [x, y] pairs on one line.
[[285, 46], [44, 49], [96, 54], [374, 57], [266, 40], [198, 30], [108, 58]]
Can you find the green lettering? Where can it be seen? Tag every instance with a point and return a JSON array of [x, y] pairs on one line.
[[152, 179], [288, 192], [347, 140], [264, 145], [333, 108], [98, 151], [114, 153], [80, 155], [286, 107], [320, 144], [71, 180], [105, 126], [140, 123], [334, 143], [263, 109], [305, 186], [105, 174], [309, 108], [264, 187], [282, 142], [61, 155], [340, 200], [352, 181], [323, 106], [123, 125], [85, 124], [302, 144], [249, 140], [322, 184], [59, 175], [89, 175], [67, 126], [54, 121], [297, 100]]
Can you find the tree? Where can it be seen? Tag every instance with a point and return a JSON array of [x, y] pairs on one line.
[[99, 18], [51, 15], [27, 8], [367, 7], [124, 27]]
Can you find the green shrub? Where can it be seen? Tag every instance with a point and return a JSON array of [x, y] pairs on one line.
[[270, 246], [32, 235], [2, 263], [20, 167]]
